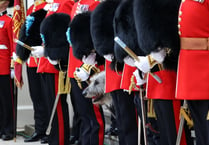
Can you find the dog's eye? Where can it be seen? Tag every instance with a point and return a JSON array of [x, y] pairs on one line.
[[96, 83]]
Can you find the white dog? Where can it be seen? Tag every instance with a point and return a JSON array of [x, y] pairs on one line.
[[95, 90]]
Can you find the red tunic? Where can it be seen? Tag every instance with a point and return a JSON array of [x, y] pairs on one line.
[[6, 44], [126, 77], [113, 79], [81, 6], [193, 72]]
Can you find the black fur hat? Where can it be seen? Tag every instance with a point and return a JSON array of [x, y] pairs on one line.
[[124, 28], [11, 3], [102, 26], [53, 31], [30, 33], [80, 36], [156, 24]]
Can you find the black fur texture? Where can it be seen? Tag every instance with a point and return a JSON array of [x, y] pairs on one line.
[[33, 38], [102, 26], [80, 35], [124, 28], [156, 25], [54, 28], [11, 3]]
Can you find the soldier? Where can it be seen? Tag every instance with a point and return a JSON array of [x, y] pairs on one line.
[[92, 125], [6, 96], [30, 35], [102, 19], [59, 134], [157, 34], [192, 79]]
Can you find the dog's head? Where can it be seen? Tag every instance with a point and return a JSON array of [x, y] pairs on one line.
[[95, 89]]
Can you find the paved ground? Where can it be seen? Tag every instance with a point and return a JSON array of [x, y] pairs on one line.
[[20, 141]]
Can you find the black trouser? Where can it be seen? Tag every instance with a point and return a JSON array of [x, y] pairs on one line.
[[59, 134], [199, 111], [126, 117], [6, 105], [41, 115], [90, 129]]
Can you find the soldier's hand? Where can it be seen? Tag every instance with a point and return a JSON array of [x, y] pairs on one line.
[[129, 61], [38, 51], [143, 64], [108, 57], [53, 62], [12, 73], [158, 56], [81, 74], [90, 59]]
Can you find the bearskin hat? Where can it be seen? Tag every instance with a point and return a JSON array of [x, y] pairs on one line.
[[53, 32], [102, 26], [11, 3], [156, 25], [80, 36], [124, 28], [30, 33]]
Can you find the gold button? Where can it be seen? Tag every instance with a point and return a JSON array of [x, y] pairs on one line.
[[183, 1], [179, 32], [179, 19], [179, 26]]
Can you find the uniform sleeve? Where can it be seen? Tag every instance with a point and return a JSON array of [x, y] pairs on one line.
[[66, 7], [10, 36]]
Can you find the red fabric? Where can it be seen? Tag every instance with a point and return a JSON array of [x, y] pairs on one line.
[[193, 75], [32, 62], [101, 124], [113, 80], [164, 90], [33, 8], [18, 74], [194, 20], [73, 63], [6, 44], [45, 66], [126, 77]]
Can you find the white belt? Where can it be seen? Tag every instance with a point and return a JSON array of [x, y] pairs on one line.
[[3, 47]]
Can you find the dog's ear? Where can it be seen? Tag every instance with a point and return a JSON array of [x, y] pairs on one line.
[[156, 25], [80, 35], [124, 28], [102, 27], [53, 31]]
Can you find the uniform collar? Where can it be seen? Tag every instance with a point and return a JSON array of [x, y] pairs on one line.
[[3, 13]]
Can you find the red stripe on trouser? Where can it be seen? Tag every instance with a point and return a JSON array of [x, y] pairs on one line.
[[176, 111], [59, 115], [101, 124]]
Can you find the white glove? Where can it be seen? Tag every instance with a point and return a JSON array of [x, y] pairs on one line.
[[129, 61], [80, 73], [158, 56], [90, 59], [109, 57], [12, 73], [14, 56], [139, 80], [38, 51], [143, 64], [53, 62]]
